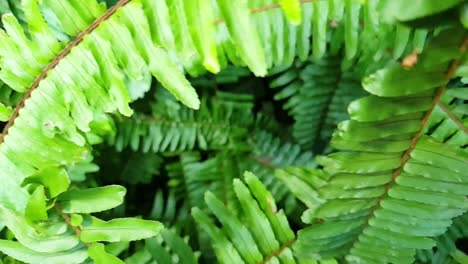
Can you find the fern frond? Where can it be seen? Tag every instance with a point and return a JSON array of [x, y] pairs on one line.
[[192, 177], [447, 251], [167, 210], [141, 168], [269, 154], [401, 186], [167, 247], [316, 94], [449, 119], [13, 7], [219, 124], [261, 234]]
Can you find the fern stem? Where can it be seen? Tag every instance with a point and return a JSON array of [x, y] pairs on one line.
[[67, 219], [79, 38], [263, 9], [436, 101], [278, 251], [453, 117], [263, 161]]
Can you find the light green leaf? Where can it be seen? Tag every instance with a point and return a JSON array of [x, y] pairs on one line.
[[292, 9], [320, 25], [29, 236], [36, 210], [172, 79], [5, 112], [224, 249], [54, 179], [400, 9], [116, 230], [98, 253], [22, 253], [238, 21], [236, 231], [352, 9], [202, 29], [92, 200], [256, 220]]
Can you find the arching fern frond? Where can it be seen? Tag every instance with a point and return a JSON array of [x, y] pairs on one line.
[[260, 234], [401, 186], [219, 124]]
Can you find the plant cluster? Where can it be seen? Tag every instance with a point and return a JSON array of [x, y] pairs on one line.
[[259, 131]]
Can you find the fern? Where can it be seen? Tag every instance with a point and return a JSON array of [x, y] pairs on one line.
[[165, 248], [260, 236], [316, 97], [172, 127], [76, 81], [447, 250], [393, 185], [270, 154]]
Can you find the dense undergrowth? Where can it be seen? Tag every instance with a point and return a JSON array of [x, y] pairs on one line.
[[260, 131]]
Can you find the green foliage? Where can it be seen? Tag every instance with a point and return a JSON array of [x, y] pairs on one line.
[[351, 113], [316, 97], [447, 251], [261, 235], [397, 188]]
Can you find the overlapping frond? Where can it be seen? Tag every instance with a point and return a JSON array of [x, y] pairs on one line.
[[316, 97], [269, 154], [220, 123], [259, 234], [447, 250], [57, 226], [395, 185], [398, 181], [449, 120], [191, 177], [167, 247]]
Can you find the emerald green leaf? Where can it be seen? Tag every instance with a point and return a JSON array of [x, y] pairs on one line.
[[396, 81], [92, 200], [258, 223], [120, 229], [225, 250], [364, 109], [174, 246], [401, 11], [240, 235]]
